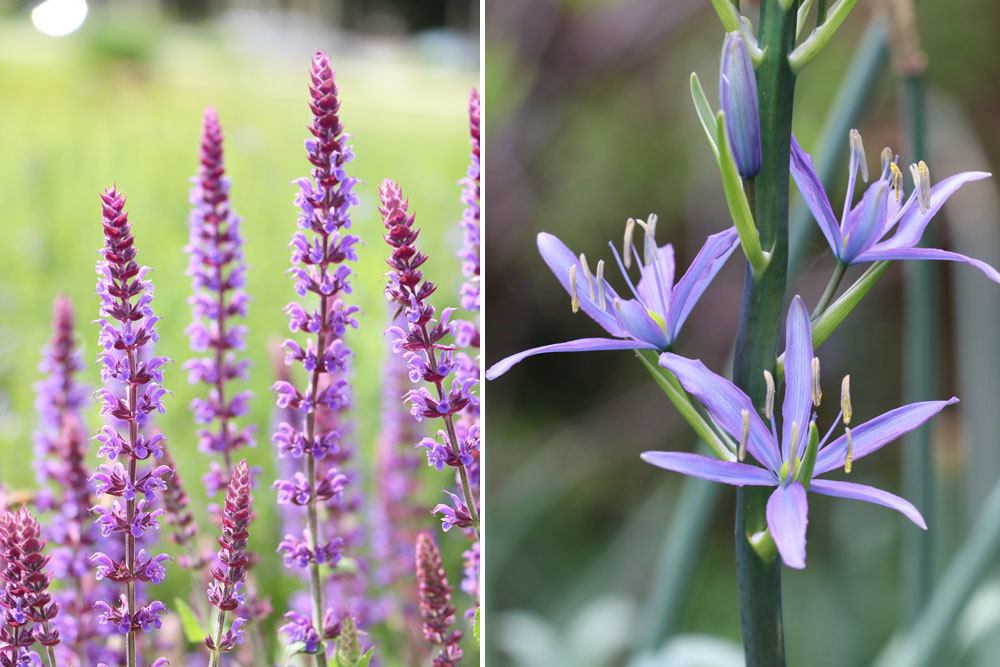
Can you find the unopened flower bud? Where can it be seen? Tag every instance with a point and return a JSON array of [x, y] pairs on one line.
[[738, 99]]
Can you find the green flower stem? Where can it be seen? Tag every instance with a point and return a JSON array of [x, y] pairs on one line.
[[921, 374], [837, 312], [831, 289], [759, 579], [739, 204]]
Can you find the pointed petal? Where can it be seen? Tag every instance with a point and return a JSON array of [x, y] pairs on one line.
[[581, 345], [634, 320], [881, 251], [814, 196], [725, 403], [787, 516], [657, 280], [865, 222], [913, 222], [868, 494], [709, 260], [559, 259], [797, 402], [878, 432], [714, 470]]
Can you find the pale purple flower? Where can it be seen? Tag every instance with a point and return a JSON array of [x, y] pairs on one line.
[[653, 317], [790, 460], [470, 216], [882, 226]]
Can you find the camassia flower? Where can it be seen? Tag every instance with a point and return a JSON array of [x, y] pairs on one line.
[[793, 458], [882, 226], [653, 317]]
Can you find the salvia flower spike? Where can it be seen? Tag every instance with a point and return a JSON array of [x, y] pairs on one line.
[[652, 318], [229, 573], [132, 393], [218, 275], [436, 609], [794, 459], [471, 213], [29, 610], [883, 225], [321, 250], [429, 360], [738, 99]]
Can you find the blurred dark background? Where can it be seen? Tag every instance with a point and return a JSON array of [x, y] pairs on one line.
[[589, 122]]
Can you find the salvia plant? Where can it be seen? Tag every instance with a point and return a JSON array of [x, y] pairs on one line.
[[79, 583], [775, 453]]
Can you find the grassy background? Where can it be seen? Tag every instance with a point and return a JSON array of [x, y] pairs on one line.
[[121, 102]]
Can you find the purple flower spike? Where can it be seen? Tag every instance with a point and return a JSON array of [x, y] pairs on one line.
[[133, 392], [436, 609], [321, 250], [439, 391], [793, 459], [882, 226], [470, 217], [653, 317], [230, 572]]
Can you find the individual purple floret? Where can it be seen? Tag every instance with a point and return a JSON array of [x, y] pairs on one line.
[[320, 252], [436, 609], [29, 610], [430, 361], [230, 572], [218, 275], [133, 391]]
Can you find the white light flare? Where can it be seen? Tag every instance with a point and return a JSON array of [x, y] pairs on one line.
[[58, 18]]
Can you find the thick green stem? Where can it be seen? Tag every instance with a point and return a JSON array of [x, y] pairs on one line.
[[921, 376], [831, 290], [759, 581]]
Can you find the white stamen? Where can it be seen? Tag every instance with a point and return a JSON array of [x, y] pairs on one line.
[[922, 182], [651, 223], [845, 399], [858, 153], [793, 447], [887, 157], [627, 244], [648, 243], [574, 301], [588, 275], [601, 301], [769, 400], [849, 457], [817, 391], [744, 434]]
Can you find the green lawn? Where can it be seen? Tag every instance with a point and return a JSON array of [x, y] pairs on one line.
[[74, 120]]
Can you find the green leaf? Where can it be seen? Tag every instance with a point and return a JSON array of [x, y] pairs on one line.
[[808, 461], [366, 658], [705, 114], [814, 43], [727, 14], [475, 625], [838, 311], [675, 392], [194, 629], [736, 198]]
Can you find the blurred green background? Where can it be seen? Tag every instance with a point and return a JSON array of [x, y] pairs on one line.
[[121, 101], [589, 122]]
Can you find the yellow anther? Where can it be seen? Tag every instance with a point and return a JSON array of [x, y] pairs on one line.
[[845, 399], [858, 153], [887, 158], [627, 244], [588, 275], [817, 391], [601, 300], [574, 298], [849, 458], [744, 434], [897, 180], [922, 182], [769, 399]]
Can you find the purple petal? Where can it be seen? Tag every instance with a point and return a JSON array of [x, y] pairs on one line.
[[868, 494], [709, 260], [656, 278], [581, 345], [714, 470], [881, 251], [787, 511], [878, 432], [559, 259], [636, 322], [864, 224], [798, 377], [814, 196], [913, 222], [725, 403]]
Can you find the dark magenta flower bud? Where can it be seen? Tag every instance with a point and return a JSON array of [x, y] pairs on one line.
[[738, 99]]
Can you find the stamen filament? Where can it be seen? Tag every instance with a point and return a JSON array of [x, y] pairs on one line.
[[744, 435], [858, 153], [621, 267], [587, 275], [849, 458]]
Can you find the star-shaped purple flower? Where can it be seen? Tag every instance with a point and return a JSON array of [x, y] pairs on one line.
[[792, 459], [881, 226], [651, 319]]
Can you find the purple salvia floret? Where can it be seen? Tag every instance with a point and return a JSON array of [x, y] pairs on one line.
[[429, 361], [218, 276], [133, 392], [320, 252], [29, 610]]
